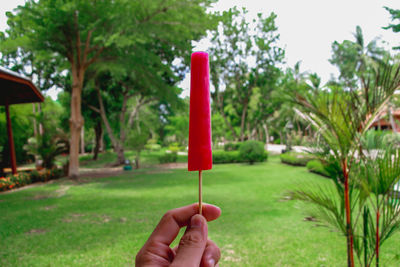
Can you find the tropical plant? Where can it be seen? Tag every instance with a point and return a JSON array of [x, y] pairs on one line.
[[356, 204]]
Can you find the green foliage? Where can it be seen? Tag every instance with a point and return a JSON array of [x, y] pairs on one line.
[[253, 151], [174, 147], [152, 145], [21, 121], [168, 157], [395, 16], [354, 58], [226, 157], [243, 93], [316, 166], [232, 146], [296, 159], [361, 175]]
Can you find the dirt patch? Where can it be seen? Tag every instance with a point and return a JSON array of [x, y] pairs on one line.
[[62, 190], [228, 254], [36, 231], [310, 219], [180, 165], [49, 207], [85, 218], [39, 197]]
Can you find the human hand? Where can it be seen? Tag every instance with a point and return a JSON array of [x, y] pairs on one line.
[[194, 248]]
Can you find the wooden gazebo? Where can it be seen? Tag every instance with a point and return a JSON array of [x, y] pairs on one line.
[[15, 89]]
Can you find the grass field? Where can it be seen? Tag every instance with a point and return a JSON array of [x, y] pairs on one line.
[[105, 221]]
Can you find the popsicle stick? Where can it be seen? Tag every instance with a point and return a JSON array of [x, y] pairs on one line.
[[200, 193]]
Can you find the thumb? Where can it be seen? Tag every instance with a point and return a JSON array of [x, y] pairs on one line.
[[192, 244]]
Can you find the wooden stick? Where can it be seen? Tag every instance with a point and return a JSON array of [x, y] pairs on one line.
[[200, 194]]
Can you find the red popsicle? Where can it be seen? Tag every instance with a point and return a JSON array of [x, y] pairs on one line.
[[200, 152]]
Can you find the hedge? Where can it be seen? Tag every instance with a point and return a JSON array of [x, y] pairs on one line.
[[168, 157], [226, 157], [295, 158], [317, 167], [232, 146]]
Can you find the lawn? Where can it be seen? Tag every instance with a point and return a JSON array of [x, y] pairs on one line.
[[105, 221]]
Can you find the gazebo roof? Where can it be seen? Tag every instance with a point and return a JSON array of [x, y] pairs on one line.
[[17, 89]]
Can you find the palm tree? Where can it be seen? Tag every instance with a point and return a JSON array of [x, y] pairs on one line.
[[342, 119]]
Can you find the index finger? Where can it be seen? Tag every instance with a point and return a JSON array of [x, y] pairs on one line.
[[170, 224]]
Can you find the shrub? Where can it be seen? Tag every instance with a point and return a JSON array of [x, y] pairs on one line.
[[252, 151], [316, 166], [174, 147], [14, 181], [152, 145], [226, 157], [6, 184], [232, 146], [168, 157], [23, 178], [296, 159]]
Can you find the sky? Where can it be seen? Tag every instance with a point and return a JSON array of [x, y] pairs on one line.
[[307, 28]]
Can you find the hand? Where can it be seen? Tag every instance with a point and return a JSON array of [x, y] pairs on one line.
[[194, 248]]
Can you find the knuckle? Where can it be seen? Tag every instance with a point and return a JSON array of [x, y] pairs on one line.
[[192, 239]]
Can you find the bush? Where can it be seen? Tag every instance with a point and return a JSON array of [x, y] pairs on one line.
[[296, 159], [168, 157], [253, 151], [152, 145], [226, 157], [14, 181], [174, 148], [316, 166], [232, 146], [23, 178]]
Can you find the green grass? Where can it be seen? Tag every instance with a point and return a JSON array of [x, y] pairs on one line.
[[104, 222]]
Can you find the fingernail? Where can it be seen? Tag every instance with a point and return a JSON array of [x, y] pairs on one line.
[[196, 221], [211, 262]]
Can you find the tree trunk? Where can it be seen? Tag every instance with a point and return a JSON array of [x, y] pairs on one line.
[[117, 144], [349, 230], [35, 131], [75, 122], [40, 124], [98, 131], [102, 147], [137, 160], [265, 127], [82, 140], [221, 111], [243, 120], [120, 155]]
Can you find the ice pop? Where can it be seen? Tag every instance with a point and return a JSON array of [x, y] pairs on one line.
[[200, 152]]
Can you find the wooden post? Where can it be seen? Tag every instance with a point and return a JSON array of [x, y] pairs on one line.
[[11, 141]]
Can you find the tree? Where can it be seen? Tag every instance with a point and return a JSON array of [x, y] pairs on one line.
[[353, 58], [79, 32], [236, 43], [395, 13]]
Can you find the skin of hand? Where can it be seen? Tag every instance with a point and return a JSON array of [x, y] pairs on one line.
[[194, 248]]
